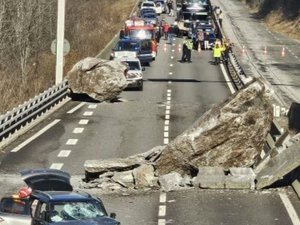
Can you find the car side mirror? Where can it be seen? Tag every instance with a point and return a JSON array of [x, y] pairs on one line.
[[143, 69], [113, 215]]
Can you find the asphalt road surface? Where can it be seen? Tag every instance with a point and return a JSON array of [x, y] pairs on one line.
[[174, 96]]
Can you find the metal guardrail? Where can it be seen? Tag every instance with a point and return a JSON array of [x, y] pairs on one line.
[[25, 113]]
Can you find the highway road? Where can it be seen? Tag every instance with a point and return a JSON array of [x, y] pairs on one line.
[[174, 96]]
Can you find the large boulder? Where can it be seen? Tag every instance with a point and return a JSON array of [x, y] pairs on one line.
[[231, 134], [100, 79]]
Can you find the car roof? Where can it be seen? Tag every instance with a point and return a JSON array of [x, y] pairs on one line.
[[56, 196]]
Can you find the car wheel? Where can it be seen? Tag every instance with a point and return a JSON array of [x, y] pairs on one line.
[[141, 87]]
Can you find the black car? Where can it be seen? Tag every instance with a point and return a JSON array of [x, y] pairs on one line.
[[53, 201], [146, 10]]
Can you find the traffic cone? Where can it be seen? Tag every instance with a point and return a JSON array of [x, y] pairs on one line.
[[243, 49], [265, 50], [283, 52]]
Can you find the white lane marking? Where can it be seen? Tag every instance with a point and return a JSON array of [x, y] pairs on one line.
[[169, 82], [228, 81], [23, 144], [173, 50], [168, 98], [290, 209], [173, 44], [168, 107], [57, 166], [167, 112], [72, 142], [167, 117], [166, 141], [76, 107], [169, 95], [171, 65], [296, 57], [168, 103], [166, 134], [161, 221], [162, 211], [170, 73], [88, 113], [78, 130], [169, 90], [166, 128], [172, 57], [83, 122], [64, 153], [92, 106], [163, 197], [167, 122]]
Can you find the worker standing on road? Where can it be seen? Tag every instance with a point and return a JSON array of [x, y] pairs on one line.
[[189, 45], [184, 51], [217, 53], [227, 50]]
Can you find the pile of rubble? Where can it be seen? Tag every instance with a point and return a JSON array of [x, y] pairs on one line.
[[217, 151]]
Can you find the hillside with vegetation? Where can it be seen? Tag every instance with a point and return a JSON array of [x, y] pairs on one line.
[[27, 29], [280, 15]]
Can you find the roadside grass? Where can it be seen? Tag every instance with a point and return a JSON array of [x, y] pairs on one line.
[[89, 26]]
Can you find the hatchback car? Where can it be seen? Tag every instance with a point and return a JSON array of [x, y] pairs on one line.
[[50, 199]]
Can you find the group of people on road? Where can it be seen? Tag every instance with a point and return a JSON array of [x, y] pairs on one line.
[[220, 49]]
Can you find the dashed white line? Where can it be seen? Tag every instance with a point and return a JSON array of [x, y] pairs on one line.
[[172, 57], [169, 98], [166, 128], [72, 142], [23, 144], [83, 122], [163, 197], [290, 209], [169, 90], [167, 112], [162, 222], [88, 113], [166, 141], [170, 73], [162, 211], [167, 122], [92, 106], [64, 153], [173, 50], [57, 166], [78, 130], [171, 65], [168, 107], [75, 108], [169, 94], [166, 134], [167, 117], [169, 82]]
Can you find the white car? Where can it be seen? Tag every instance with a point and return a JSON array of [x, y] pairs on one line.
[[148, 4], [159, 8], [134, 74]]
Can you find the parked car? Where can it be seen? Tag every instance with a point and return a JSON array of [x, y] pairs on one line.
[[134, 74], [148, 4], [131, 48], [150, 18], [50, 200], [146, 10]]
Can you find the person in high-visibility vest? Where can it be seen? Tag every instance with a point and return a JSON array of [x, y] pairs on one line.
[[189, 45], [217, 53]]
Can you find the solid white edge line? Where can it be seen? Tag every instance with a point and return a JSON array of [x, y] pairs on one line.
[[228, 81], [290, 209], [23, 144], [76, 107]]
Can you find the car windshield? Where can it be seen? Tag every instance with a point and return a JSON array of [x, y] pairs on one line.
[[66, 211], [193, 16], [133, 65], [126, 46], [149, 16], [148, 4]]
